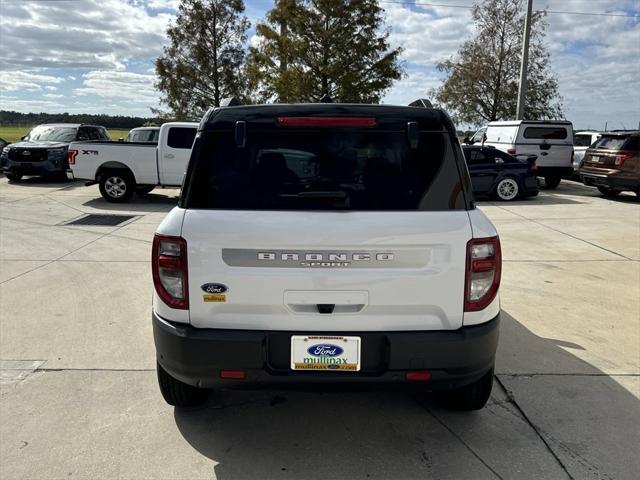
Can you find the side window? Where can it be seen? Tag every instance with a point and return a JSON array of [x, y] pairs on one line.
[[632, 145], [94, 134], [546, 133], [181, 137], [83, 134], [478, 157], [104, 135]]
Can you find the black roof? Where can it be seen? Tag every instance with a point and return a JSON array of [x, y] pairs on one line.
[[388, 116]]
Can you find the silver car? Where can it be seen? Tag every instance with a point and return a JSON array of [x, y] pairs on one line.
[[581, 141]]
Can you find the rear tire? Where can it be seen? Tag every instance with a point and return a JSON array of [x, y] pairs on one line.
[[552, 181], [609, 192], [470, 397], [507, 189], [177, 393], [14, 177], [117, 186]]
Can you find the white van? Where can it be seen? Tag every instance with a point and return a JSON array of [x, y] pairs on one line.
[[550, 140]]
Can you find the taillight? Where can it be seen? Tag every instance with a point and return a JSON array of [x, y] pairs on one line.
[[169, 265], [511, 151], [71, 156], [623, 157], [326, 121], [484, 267]]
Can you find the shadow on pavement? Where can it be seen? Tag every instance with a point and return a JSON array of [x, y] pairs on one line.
[[558, 415], [137, 203], [45, 182]]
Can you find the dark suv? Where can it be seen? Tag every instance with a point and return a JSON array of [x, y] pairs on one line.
[[44, 150], [612, 164]]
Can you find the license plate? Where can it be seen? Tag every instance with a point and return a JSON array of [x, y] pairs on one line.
[[595, 158], [336, 354]]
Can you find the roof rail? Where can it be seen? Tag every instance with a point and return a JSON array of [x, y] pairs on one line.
[[230, 102], [421, 102]]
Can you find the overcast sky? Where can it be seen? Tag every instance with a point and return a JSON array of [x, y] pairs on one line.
[[96, 56]]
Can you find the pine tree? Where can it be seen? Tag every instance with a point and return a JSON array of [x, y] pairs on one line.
[[204, 61], [311, 48]]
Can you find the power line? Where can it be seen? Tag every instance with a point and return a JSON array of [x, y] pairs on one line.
[[422, 4]]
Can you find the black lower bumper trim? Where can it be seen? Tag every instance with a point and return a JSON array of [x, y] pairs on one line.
[[616, 183], [196, 356]]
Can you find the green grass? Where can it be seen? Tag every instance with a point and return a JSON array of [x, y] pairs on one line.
[[13, 134]]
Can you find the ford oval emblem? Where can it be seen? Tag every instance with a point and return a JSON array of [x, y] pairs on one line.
[[325, 350], [214, 288]]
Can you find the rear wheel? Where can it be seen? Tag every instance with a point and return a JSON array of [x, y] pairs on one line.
[[14, 177], [507, 189], [470, 397], [609, 192], [117, 186], [177, 393], [552, 181]]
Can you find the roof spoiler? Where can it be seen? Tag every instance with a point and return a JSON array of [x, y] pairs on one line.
[[421, 102]]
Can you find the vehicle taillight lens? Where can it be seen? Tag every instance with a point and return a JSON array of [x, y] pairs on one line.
[[511, 151], [169, 265], [484, 267], [623, 157], [326, 121], [71, 156]]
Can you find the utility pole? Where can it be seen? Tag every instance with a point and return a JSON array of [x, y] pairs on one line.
[[522, 91]]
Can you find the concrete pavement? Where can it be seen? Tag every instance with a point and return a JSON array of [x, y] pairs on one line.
[[79, 399]]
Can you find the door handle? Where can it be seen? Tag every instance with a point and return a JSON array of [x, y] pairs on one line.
[[169, 155], [544, 153]]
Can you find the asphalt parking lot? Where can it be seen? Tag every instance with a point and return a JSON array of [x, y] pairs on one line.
[[79, 398]]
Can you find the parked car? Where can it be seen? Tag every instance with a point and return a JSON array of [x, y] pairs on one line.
[[122, 168], [551, 141], [143, 135], [3, 144], [494, 172], [326, 243], [612, 164], [581, 141], [44, 150]]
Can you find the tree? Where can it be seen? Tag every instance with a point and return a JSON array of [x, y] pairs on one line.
[[482, 79], [204, 60], [311, 48]]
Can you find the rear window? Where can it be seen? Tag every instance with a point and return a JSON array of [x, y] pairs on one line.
[[501, 134], [581, 140], [147, 136], [611, 142], [325, 170], [181, 137], [546, 133]]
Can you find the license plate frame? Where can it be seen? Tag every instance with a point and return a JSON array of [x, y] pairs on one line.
[[332, 353]]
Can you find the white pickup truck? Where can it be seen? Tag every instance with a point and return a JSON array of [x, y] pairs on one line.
[[123, 168]]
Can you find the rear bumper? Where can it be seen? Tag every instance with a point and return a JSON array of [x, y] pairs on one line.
[[610, 181], [196, 356]]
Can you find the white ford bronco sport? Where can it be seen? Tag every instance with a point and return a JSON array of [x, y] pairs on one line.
[[326, 243]]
